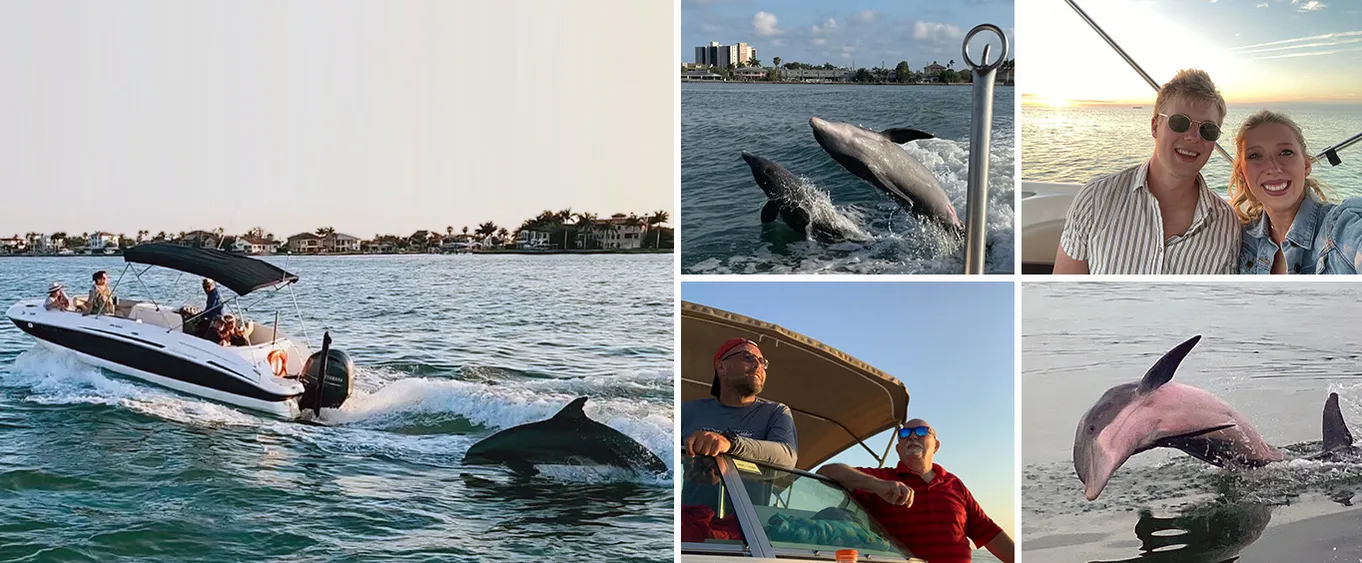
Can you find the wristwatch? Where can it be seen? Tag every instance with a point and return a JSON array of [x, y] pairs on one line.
[[732, 438]]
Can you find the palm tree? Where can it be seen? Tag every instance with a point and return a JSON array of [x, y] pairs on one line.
[[449, 230], [465, 230], [658, 217], [586, 223], [487, 229]]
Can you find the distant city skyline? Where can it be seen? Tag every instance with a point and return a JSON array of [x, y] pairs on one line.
[[367, 117], [1259, 51], [869, 33]]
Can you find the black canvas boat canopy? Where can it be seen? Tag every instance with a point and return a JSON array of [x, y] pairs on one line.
[[237, 273]]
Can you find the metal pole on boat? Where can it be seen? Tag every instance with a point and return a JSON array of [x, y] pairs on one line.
[[981, 129], [1331, 154], [321, 371], [1119, 51]]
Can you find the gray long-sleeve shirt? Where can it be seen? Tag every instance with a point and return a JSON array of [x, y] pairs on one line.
[[765, 429]]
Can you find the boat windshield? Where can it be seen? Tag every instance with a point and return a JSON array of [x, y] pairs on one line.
[[797, 515]]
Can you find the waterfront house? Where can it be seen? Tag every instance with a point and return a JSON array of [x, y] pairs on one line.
[[305, 243], [252, 245], [341, 243], [102, 243], [200, 239], [532, 239]]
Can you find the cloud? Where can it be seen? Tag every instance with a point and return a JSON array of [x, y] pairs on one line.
[[930, 31], [819, 41], [1263, 5], [764, 23], [866, 16], [829, 25], [1308, 5]]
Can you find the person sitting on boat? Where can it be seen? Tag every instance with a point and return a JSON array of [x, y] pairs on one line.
[[919, 504], [735, 421], [1290, 227], [101, 300], [57, 299], [229, 334], [1158, 217]]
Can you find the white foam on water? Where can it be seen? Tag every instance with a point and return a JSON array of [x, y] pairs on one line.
[[59, 378]]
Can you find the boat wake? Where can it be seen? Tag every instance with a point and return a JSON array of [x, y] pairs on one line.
[[415, 419]]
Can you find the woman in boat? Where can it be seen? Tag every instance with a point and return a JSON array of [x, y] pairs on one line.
[[1290, 227], [57, 299], [101, 300], [230, 332]]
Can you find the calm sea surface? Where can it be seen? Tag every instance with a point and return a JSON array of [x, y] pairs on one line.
[[721, 203], [1274, 352], [1079, 143], [449, 349]]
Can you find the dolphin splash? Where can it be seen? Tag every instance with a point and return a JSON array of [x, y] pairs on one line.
[[1155, 413], [797, 204], [569, 438]]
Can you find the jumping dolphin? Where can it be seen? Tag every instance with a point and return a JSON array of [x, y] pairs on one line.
[[1133, 417], [791, 199], [877, 158], [569, 438]]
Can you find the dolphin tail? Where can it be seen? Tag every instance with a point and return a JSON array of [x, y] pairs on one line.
[[1336, 434]]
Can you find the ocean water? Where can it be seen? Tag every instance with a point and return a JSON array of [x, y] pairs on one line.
[[449, 349], [1273, 351], [722, 231], [1080, 143]]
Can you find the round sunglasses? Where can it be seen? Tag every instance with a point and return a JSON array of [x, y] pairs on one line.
[[1179, 123], [920, 431]]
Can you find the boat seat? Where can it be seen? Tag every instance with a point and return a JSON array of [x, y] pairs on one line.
[[147, 313]]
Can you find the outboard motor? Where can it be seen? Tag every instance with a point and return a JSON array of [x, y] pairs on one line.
[[334, 385]]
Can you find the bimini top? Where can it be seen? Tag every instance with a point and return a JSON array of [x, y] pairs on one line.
[[837, 400], [238, 273]]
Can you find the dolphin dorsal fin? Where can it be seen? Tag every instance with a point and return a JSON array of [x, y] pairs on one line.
[[901, 135], [573, 410], [1162, 372], [1336, 434]]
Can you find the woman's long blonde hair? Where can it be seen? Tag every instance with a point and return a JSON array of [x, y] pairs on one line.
[[1248, 208]]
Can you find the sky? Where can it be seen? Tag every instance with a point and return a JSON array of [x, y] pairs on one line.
[[365, 116], [951, 344], [1256, 51], [869, 32]]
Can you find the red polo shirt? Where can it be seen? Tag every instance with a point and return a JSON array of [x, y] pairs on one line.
[[942, 520]]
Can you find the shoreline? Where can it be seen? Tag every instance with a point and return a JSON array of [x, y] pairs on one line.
[[500, 251], [747, 82]]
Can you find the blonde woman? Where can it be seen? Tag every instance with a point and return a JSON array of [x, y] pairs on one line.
[[1289, 225]]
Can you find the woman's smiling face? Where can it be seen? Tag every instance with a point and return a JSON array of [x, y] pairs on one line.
[[1275, 166]]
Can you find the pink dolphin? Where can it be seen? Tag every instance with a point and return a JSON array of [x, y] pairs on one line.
[[1134, 417]]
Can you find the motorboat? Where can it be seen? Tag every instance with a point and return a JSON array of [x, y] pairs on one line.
[[274, 372], [777, 513], [1044, 206]]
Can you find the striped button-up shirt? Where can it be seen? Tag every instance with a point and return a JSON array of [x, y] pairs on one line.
[[1114, 224]]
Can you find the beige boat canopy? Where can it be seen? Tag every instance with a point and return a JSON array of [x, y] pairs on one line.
[[838, 401]]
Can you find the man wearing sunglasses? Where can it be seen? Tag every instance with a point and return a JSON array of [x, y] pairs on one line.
[[1158, 217], [735, 420], [925, 509]]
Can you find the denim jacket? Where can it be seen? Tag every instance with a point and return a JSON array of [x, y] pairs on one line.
[[1324, 239]]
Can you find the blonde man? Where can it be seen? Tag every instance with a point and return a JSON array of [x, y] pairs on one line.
[[1158, 217]]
